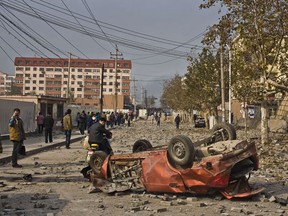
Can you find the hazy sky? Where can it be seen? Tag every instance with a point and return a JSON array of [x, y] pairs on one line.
[[173, 20]]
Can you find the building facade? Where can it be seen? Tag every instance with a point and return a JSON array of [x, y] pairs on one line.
[[6, 82], [78, 80]]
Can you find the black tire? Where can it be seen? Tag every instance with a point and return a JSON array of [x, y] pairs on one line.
[[224, 131], [141, 145], [181, 152], [96, 161]]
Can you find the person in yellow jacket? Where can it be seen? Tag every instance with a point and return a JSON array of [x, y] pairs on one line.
[[17, 135], [67, 126]]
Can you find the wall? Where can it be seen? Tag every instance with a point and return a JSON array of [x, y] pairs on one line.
[[27, 114]]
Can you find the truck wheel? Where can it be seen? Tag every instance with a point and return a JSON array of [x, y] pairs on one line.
[[181, 152], [97, 160], [224, 131], [141, 145]]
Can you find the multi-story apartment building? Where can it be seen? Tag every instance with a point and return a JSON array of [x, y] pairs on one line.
[[79, 78], [6, 83]]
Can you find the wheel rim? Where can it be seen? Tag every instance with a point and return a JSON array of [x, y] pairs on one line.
[[179, 150], [97, 164]]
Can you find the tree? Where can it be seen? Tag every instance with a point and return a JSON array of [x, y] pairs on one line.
[[262, 28], [13, 90], [173, 95], [203, 81]]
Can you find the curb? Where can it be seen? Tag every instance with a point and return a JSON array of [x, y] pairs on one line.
[[8, 159]]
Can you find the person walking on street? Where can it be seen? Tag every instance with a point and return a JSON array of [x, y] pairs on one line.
[[177, 121], [17, 135], [48, 125], [67, 125], [40, 122]]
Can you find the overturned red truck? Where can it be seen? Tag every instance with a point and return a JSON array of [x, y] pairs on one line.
[[218, 163]]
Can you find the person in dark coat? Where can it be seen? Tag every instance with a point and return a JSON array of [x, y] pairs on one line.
[[97, 135], [48, 125], [177, 121]]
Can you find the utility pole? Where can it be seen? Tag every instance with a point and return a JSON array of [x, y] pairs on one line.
[[222, 85], [68, 83], [230, 90], [135, 103], [115, 56], [101, 89]]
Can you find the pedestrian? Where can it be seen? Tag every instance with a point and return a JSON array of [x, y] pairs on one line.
[[158, 118], [40, 121], [17, 135], [48, 125], [82, 122], [77, 119], [67, 125], [177, 121]]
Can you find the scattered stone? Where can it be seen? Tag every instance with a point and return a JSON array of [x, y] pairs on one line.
[[166, 203], [101, 206], [203, 204], [235, 209], [192, 199], [272, 199], [160, 210], [135, 209], [3, 196], [281, 211], [119, 205], [50, 214], [39, 205], [93, 189]]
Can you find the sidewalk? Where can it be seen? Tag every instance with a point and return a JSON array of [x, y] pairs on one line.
[[36, 143]]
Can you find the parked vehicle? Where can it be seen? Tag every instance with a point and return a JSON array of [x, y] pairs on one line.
[[218, 163], [200, 122]]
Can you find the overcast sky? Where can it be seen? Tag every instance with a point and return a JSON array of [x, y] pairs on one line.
[[161, 20]]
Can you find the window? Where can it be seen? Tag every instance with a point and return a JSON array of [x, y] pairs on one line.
[[125, 77], [58, 69], [58, 76], [88, 70], [48, 62], [65, 82], [79, 89], [19, 68], [111, 64], [27, 75], [41, 62], [49, 69], [41, 88], [111, 70], [27, 68], [88, 77], [34, 69], [65, 69], [79, 95], [34, 88], [80, 64], [73, 70], [79, 76], [34, 81], [41, 69], [80, 70], [58, 63], [72, 82], [34, 62], [96, 64], [72, 89], [110, 90], [41, 75], [96, 70], [41, 81], [79, 82], [27, 88], [104, 83], [19, 62], [110, 83], [87, 64], [126, 65], [27, 81]]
